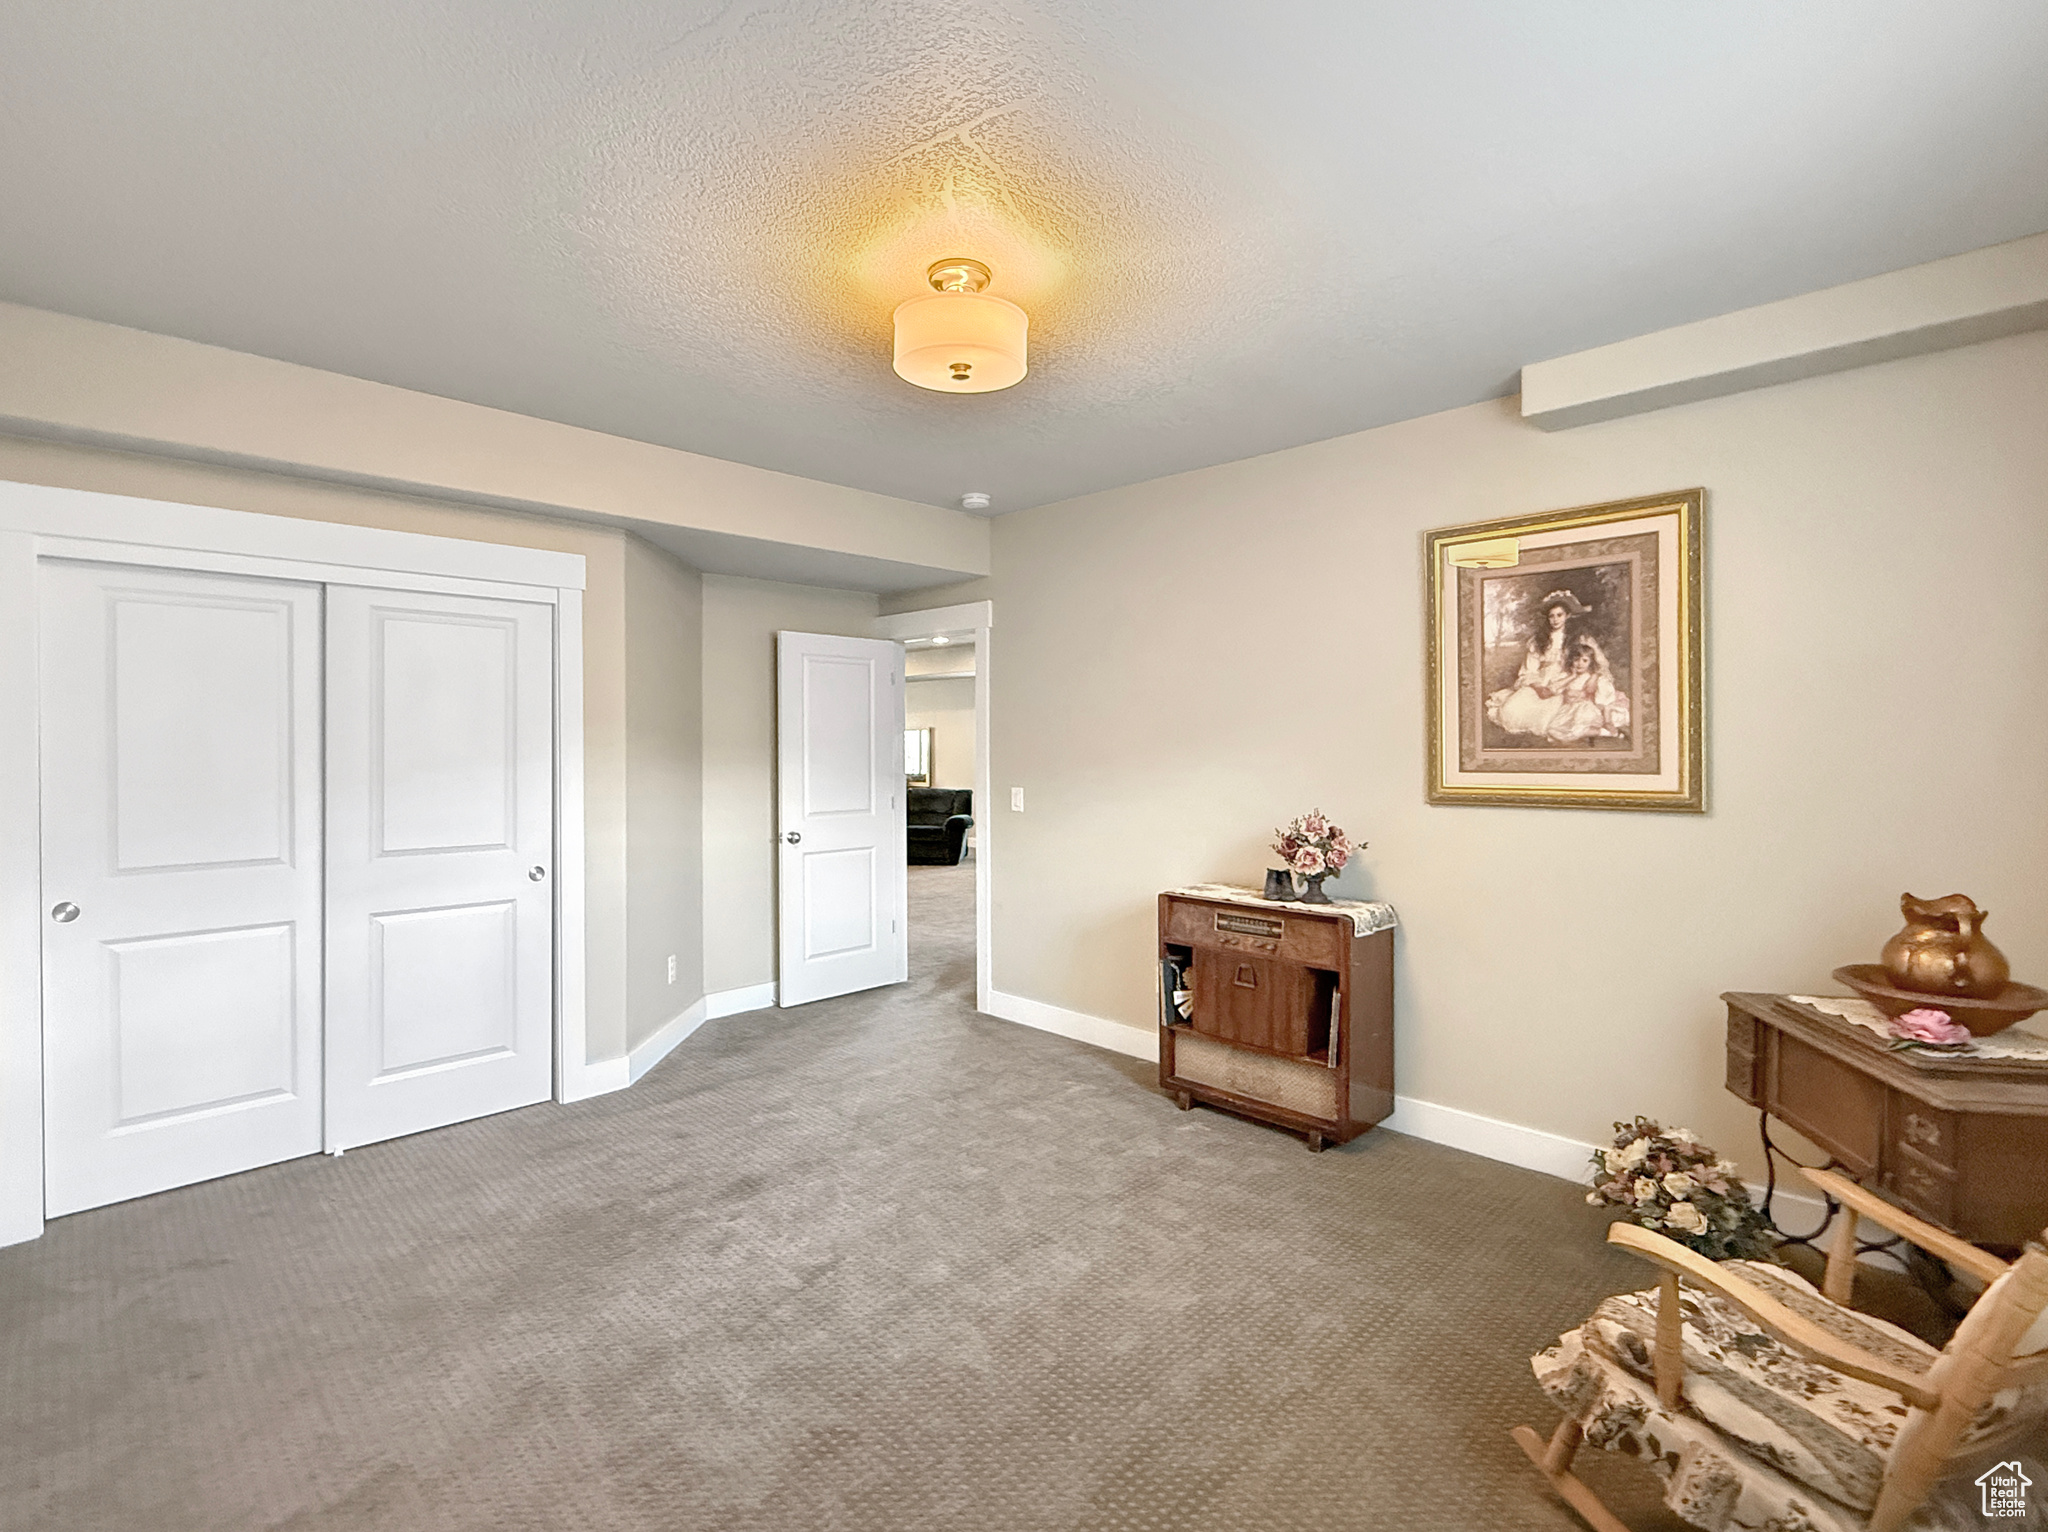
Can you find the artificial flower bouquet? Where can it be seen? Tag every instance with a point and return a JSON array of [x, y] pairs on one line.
[[1669, 1181], [1313, 847], [1927, 1028]]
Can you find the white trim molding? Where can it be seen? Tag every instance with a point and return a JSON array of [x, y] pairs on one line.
[[576, 1077], [38, 522], [936, 619], [663, 1042], [598, 1078], [1096, 1031], [1957, 301], [735, 1002], [1490, 1138], [81, 523], [21, 890]]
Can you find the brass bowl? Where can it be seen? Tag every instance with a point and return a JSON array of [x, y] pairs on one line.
[[2014, 1003]]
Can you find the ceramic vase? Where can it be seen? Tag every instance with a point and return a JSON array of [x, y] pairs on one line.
[[1314, 894], [1943, 951]]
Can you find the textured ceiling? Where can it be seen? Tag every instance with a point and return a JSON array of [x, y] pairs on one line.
[[1236, 227]]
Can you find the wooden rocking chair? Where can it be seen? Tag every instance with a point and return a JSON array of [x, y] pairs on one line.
[[1868, 1457]]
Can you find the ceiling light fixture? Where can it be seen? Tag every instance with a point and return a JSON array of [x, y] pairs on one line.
[[941, 640], [1487, 553], [960, 340]]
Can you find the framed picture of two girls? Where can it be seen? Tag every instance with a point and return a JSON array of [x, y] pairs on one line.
[[1564, 658]]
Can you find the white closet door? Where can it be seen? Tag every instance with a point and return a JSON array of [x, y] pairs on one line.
[[841, 871], [440, 849], [181, 870]]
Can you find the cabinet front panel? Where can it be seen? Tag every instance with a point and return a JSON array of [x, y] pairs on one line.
[[1296, 1086], [1839, 1108], [2002, 1163], [1253, 1001], [1308, 939], [1921, 1186], [1743, 1082]]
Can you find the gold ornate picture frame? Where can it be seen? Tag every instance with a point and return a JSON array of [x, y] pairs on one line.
[[1565, 658]]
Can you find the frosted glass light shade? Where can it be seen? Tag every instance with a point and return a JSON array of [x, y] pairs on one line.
[[1487, 553], [960, 343]]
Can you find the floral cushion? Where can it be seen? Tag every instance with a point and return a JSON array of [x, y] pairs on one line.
[[1799, 1426], [1710, 1483]]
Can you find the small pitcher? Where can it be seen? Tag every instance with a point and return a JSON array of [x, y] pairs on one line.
[[1942, 950]]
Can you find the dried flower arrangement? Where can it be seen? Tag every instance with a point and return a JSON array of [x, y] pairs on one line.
[[1671, 1182]]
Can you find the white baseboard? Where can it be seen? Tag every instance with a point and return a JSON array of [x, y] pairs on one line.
[[732, 1002], [582, 1081], [657, 1047], [1508, 1142], [1136, 1042]]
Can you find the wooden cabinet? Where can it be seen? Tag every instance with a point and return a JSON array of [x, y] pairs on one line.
[[1290, 1010], [1961, 1142]]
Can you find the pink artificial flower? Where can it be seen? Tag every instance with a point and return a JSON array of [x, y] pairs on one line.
[[1929, 1026], [1308, 862], [1314, 825]]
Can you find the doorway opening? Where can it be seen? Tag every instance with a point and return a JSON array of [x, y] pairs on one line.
[[946, 777]]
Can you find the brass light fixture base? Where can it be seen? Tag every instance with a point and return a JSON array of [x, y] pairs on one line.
[[958, 274]]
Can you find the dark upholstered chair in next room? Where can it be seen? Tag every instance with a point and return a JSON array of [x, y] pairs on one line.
[[939, 817]]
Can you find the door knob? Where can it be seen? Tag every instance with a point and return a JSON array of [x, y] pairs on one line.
[[793, 837], [64, 913], [537, 873]]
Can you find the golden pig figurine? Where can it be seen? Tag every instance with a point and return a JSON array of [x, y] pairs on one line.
[[1942, 951]]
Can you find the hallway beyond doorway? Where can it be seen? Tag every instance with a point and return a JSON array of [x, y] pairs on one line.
[[942, 930]]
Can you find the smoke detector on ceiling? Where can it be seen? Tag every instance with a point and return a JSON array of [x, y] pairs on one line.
[[960, 340], [974, 500]]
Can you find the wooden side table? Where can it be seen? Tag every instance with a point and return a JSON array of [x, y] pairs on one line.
[[1291, 1012], [1961, 1142]]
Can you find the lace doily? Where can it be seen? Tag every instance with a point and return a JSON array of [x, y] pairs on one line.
[[1366, 915], [2009, 1044]]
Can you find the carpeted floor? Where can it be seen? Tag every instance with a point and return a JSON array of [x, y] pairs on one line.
[[876, 1265]]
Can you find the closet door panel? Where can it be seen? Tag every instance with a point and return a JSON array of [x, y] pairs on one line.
[[441, 860], [181, 740]]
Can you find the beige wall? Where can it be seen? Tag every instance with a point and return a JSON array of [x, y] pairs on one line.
[[611, 890], [946, 707], [741, 619], [1877, 677], [664, 788]]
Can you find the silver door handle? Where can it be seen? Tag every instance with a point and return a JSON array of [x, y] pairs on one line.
[[792, 837], [64, 913], [538, 873]]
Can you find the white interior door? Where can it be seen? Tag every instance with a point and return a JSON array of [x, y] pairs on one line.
[[839, 791], [440, 850], [182, 872]]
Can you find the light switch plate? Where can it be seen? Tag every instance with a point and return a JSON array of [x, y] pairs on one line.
[[1017, 800]]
